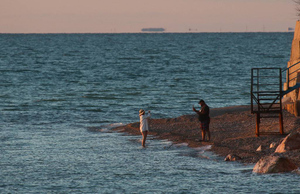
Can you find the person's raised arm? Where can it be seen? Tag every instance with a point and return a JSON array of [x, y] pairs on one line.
[[148, 115], [195, 110]]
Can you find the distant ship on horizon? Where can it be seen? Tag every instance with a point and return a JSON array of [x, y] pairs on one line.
[[153, 29]]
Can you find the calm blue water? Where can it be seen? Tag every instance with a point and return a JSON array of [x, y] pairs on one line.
[[60, 95]]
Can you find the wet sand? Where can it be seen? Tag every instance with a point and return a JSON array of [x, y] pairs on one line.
[[232, 132]]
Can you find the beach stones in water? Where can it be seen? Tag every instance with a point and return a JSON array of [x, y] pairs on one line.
[[274, 164], [291, 142], [232, 157]]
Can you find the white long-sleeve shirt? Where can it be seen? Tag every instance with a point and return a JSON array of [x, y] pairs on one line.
[[144, 123]]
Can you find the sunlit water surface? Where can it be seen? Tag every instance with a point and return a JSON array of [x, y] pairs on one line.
[[61, 94]]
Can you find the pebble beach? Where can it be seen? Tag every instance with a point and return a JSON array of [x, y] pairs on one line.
[[232, 132]]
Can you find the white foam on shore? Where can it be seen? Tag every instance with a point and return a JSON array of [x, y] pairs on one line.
[[106, 128], [203, 148], [202, 151], [181, 144]]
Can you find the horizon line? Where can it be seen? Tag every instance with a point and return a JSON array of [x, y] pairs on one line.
[[143, 32]]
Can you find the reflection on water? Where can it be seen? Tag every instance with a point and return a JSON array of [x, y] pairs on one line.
[[106, 161], [57, 89]]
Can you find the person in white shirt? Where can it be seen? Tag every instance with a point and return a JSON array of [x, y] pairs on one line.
[[144, 124]]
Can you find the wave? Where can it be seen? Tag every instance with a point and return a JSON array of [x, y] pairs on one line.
[[105, 128], [51, 100], [95, 110]]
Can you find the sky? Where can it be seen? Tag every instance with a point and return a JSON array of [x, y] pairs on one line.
[[130, 16]]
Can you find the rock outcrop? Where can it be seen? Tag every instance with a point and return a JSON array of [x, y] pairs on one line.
[[290, 142], [274, 164], [292, 99]]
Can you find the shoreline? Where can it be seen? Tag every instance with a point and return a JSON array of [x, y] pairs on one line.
[[232, 132]]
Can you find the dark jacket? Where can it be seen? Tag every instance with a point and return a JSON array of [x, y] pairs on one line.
[[203, 114]]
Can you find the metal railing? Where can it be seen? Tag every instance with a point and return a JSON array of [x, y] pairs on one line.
[[266, 92], [266, 89], [289, 73]]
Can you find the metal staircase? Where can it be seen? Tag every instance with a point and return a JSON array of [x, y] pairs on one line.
[[267, 93], [266, 90]]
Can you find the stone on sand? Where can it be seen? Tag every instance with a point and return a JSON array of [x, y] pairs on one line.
[[274, 164], [290, 142], [232, 157]]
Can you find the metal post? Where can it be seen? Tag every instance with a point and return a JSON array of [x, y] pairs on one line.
[[288, 78], [258, 106], [252, 90], [281, 123], [257, 124], [280, 114]]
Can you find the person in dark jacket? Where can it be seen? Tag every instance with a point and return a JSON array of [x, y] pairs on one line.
[[203, 116]]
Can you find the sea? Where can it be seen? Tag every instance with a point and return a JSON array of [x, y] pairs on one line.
[[61, 95]]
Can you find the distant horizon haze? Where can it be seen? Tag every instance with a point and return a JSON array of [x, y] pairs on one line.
[[131, 16]]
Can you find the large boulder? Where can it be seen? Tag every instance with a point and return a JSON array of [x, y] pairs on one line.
[[290, 142], [274, 164]]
